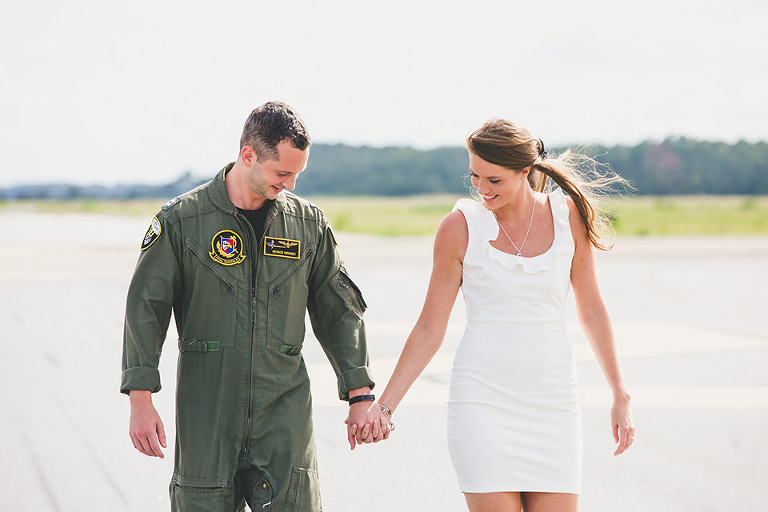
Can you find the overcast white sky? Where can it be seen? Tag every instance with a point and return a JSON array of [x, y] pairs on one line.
[[123, 92]]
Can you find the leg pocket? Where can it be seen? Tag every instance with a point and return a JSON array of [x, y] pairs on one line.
[[303, 491], [201, 497]]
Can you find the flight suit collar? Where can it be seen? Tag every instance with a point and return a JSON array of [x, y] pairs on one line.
[[217, 191]]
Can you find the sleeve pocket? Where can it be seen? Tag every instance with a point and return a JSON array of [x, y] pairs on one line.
[[348, 291]]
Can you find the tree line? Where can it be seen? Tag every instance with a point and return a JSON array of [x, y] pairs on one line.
[[676, 166], [684, 166]]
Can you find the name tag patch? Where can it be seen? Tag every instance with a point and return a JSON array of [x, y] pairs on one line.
[[282, 247], [227, 248]]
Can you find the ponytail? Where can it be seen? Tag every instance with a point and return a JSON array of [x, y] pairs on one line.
[[582, 179], [508, 145]]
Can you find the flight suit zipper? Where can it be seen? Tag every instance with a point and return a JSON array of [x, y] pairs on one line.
[[250, 235], [254, 267]]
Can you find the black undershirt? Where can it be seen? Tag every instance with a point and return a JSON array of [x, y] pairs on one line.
[[257, 218]]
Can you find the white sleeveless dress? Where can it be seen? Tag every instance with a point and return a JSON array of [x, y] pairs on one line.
[[514, 422]]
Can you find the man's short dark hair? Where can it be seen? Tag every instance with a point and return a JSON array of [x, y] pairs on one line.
[[269, 125]]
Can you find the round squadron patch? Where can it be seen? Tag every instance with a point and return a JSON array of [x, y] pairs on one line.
[[227, 248], [152, 234]]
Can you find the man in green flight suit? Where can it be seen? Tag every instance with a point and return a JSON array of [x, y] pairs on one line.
[[239, 261]]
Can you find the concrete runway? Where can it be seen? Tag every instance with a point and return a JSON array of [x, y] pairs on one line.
[[688, 311]]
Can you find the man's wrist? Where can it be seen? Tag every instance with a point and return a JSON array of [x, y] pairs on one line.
[[361, 398], [140, 396], [365, 390]]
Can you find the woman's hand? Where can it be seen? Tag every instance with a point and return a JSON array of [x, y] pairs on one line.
[[367, 423], [622, 424]]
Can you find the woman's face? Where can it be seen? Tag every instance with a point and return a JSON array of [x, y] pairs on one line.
[[497, 185]]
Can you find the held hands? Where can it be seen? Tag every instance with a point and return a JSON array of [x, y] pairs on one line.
[[367, 423]]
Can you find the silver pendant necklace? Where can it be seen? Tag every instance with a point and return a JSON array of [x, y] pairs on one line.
[[530, 223]]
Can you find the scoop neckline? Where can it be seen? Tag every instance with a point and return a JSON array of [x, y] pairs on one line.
[[498, 231]]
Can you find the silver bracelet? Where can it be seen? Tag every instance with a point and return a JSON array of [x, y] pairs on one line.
[[386, 409]]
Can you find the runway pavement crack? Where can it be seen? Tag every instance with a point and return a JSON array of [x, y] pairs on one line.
[[45, 484], [102, 468]]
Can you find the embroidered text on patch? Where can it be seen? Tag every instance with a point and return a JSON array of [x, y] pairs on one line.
[[227, 248], [282, 247]]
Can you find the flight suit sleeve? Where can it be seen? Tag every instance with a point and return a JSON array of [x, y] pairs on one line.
[[336, 309], [155, 284]]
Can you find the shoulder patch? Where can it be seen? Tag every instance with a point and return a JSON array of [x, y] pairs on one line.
[[172, 202], [152, 234]]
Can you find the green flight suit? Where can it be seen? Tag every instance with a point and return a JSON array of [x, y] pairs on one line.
[[243, 395]]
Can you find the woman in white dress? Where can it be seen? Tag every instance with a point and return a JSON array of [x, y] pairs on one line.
[[514, 424]]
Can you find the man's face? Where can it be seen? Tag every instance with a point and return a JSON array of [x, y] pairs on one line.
[[270, 177]]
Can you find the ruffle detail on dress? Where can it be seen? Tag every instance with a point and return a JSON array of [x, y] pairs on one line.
[[488, 231]]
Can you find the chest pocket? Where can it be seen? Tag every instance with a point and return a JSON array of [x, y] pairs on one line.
[[287, 306], [210, 303]]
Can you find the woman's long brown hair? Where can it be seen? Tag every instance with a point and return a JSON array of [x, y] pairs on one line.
[[508, 145]]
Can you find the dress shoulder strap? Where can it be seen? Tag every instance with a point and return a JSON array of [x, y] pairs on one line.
[[471, 209], [559, 205], [480, 223]]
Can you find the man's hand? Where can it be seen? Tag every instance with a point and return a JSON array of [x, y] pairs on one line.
[[146, 428], [366, 423]]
